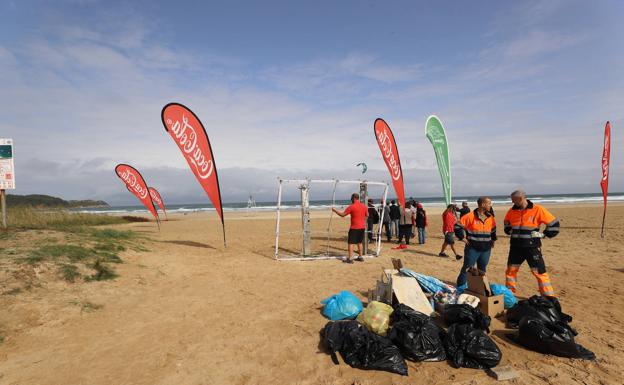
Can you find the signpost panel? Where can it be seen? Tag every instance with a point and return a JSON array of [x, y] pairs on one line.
[[7, 168], [7, 174]]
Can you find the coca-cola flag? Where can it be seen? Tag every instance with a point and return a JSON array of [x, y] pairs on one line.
[[190, 135], [158, 200], [604, 182], [390, 154], [136, 185]]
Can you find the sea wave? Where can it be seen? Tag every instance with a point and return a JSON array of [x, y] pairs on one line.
[[326, 205]]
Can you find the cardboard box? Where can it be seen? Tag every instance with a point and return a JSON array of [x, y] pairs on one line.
[[478, 283], [493, 305], [479, 286]]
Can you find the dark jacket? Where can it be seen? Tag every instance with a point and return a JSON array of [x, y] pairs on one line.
[[395, 212], [373, 215], [421, 218]]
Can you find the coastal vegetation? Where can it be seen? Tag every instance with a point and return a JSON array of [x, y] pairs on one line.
[[57, 244], [40, 200]]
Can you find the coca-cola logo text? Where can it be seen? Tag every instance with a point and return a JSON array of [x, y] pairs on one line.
[[132, 181], [386, 148], [605, 160], [186, 137], [155, 198]]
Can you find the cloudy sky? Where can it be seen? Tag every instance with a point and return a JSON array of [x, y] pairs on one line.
[[291, 89]]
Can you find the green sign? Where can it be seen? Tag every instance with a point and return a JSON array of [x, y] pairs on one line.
[[436, 135], [6, 151]]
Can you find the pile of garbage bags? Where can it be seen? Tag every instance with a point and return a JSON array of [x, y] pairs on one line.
[[543, 327], [383, 337]]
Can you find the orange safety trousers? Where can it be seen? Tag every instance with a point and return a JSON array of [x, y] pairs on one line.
[[543, 280]]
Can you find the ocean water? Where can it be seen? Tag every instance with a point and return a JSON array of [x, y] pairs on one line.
[[327, 204]]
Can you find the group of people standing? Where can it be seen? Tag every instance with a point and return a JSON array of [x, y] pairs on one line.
[[476, 228], [397, 223]]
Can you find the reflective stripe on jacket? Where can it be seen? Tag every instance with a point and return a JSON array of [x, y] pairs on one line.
[[519, 224], [480, 233]]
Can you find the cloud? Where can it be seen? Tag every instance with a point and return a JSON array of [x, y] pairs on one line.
[[539, 42], [80, 97]]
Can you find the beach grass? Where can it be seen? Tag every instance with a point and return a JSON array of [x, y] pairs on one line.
[[73, 244], [103, 272], [69, 272], [29, 218]]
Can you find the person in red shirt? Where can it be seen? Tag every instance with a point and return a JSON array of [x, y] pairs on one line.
[[448, 228], [359, 213]]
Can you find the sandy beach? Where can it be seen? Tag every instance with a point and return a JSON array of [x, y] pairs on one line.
[[189, 311]]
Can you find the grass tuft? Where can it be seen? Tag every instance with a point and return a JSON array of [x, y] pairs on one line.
[[73, 252], [112, 235], [69, 272], [102, 272]]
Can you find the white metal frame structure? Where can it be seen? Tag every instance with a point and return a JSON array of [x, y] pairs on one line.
[[304, 186]]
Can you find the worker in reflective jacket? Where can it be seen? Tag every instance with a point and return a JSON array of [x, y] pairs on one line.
[[522, 223], [479, 227]]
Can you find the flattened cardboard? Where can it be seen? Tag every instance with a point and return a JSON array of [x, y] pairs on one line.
[[408, 292]]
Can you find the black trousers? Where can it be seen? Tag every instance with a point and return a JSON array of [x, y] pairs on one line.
[[405, 231], [533, 256]]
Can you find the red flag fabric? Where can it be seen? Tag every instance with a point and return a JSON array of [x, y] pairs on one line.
[[136, 185], [604, 182], [606, 154], [390, 154], [158, 199], [190, 135]]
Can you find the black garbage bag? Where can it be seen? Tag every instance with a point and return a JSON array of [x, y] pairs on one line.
[[469, 347], [466, 314], [418, 338], [550, 338], [547, 309], [361, 348]]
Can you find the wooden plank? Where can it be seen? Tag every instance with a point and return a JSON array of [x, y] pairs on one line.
[[408, 292]]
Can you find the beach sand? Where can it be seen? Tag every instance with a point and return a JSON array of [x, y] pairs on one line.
[[191, 312]]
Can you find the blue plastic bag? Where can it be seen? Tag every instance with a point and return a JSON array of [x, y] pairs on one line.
[[343, 305], [429, 284], [509, 298]]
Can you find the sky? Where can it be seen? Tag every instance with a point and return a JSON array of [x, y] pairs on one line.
[[291, 89]]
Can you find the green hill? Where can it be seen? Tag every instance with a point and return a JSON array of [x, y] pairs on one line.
[[39, 200]]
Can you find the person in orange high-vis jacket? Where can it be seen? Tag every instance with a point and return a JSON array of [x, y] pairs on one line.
[[478, 230], [522, 223]]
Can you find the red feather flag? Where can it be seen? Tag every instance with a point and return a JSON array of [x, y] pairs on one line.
[[390, 154], [136, 185], [604, 182], [158, 199], [188, 132]]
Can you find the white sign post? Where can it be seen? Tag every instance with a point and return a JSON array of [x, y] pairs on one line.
[[7, 174]]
